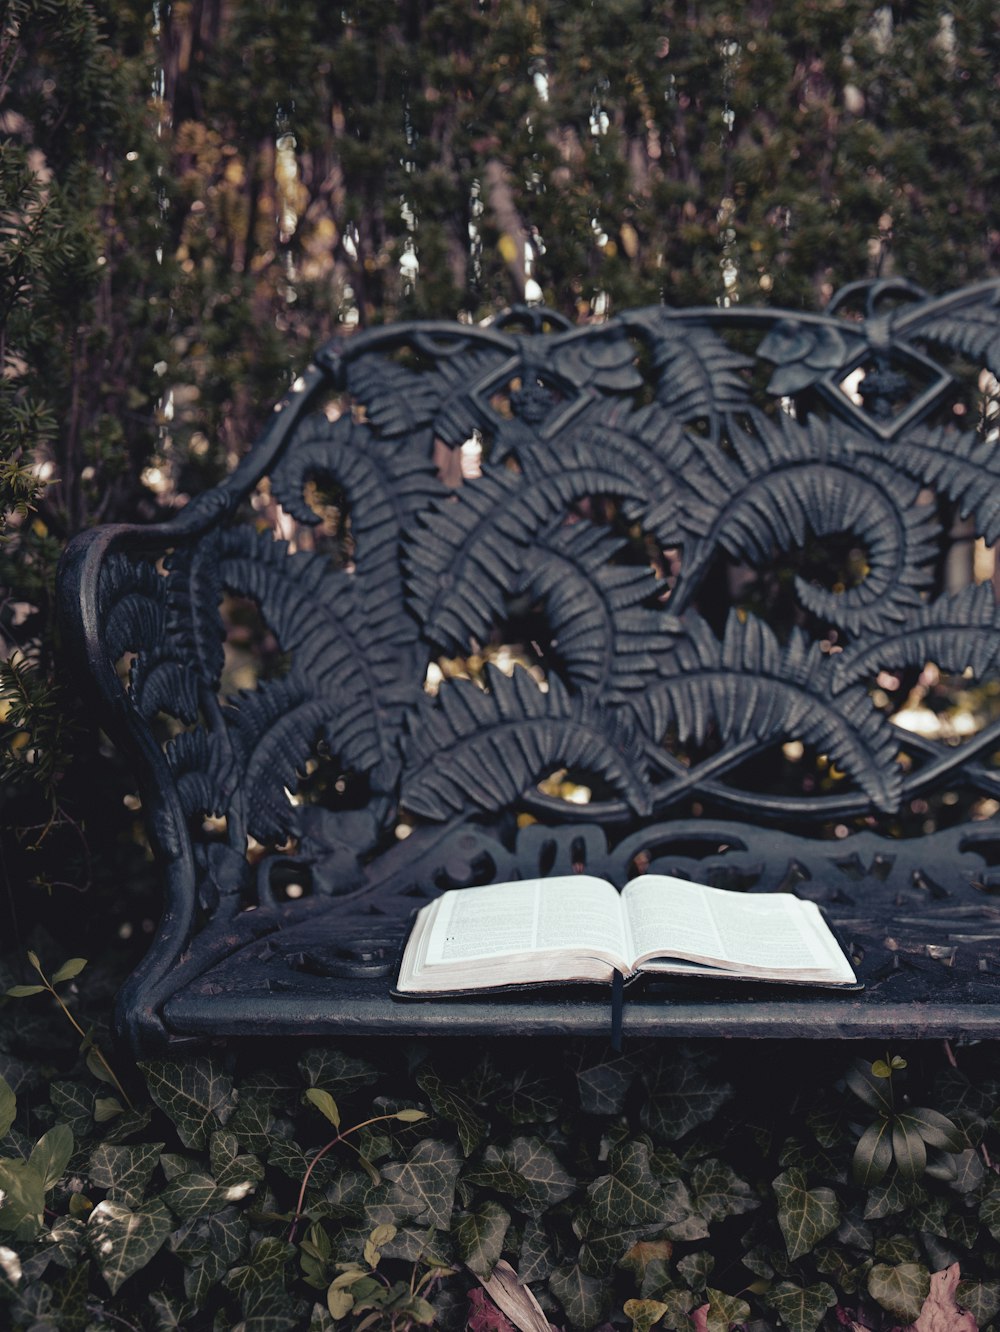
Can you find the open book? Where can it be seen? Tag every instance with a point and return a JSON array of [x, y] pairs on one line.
[[579, 928]]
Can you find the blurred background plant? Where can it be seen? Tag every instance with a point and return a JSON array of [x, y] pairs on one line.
[[193, 195]]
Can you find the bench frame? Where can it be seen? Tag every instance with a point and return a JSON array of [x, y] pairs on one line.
[[711, 444]]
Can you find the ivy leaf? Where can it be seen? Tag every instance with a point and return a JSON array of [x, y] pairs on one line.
[[969, 1171], [252, 1123], [527, 1098], [989, 1211], [900, 1289], [719, 1192], [643, 1253], [195, 1193], [496, 1174], [269, 1309], [603, 1087], [171, 1313], [981, 1298], [602, 1248], [265, 1266], [222, 1236], [123, 1241], [479, 1237], [73, 1102], [805, 1215], [801, 1308], [644, 1313], [627, 1197], [679, 1305], [683, 1220], [232, 1171], [873, 1154], [584, 1298], [536, 1258], [723, 1311], [887, 1199], [51, 1153], [196, 1095], [8, 1107], [547, 1182], [424, 1186], [696, 1268], [450, 1105], [681, 1098], [336, 1071], [124, 1171]]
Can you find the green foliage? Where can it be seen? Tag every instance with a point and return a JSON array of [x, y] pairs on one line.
[[232, 1193], [900, 1135]]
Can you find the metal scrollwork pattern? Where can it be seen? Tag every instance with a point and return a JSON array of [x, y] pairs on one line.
[[714, 538]]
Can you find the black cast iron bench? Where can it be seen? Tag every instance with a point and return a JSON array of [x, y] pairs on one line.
[[689, 591]]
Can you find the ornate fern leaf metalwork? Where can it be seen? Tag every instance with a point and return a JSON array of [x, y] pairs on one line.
[[342, 644], [384, 485], [957, 463], [699, 377], [204, 769], [465, 559], [484, 749], [188, 655], [972, 329], [601, 628], [133, 602], [397, 400], [787, 480], [957, 633], [648, 440], [275, 729], [749, 687]]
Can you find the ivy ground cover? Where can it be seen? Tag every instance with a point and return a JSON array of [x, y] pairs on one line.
[[340, 1188]]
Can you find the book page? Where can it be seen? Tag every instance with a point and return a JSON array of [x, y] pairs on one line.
[[574, 912], [672, 917]]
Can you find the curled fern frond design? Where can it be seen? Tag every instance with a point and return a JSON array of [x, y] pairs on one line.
[[957, 633], [786, 481], [133, 600], [385, 485], [485, 749], [205, 771], [275, 729], [318, 615], [749, 687], [465, 559], [598, 615]]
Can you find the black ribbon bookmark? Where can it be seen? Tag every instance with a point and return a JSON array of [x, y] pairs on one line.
[[617, 1004]]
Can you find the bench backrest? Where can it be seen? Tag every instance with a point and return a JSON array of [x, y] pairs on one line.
[[680, 590]]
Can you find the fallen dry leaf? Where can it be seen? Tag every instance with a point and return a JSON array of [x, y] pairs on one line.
[[940, 1313], [514, 1298], [484, 1316]]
